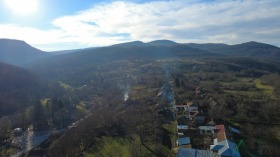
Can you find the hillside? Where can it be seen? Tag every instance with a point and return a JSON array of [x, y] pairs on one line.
[[116, 87], [248, 49], [91, 57], [18, 52], [208, 46], [163, 42], [18, 88], [254, 49]]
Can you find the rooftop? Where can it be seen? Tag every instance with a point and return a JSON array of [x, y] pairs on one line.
[[226, 148], [184, 141], [189, 152], [182, 127], [221, 134], [207, 127], [234, 130]]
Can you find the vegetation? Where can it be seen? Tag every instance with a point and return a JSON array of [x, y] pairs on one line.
[[117, 100]]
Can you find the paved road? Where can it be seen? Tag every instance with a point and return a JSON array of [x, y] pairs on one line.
[[30, 140]]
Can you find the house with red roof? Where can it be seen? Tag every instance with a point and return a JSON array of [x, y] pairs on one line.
[[222, 145]]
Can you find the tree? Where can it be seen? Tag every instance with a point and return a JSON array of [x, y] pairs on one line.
[[5, 129], [177, 82], [38, 114]]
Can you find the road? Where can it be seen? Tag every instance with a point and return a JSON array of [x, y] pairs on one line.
[[30, 140]]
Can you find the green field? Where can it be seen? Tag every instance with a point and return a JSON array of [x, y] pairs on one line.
[[109, 146], [65, 86], [82, 107], [266, 88], [121, 147]]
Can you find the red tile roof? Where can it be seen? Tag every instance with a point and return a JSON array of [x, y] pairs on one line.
[[221, 133]]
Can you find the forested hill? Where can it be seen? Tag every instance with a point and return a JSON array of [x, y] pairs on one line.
[[18, 87], [127, 51], [18, 52], [159, 49], [248, 49]]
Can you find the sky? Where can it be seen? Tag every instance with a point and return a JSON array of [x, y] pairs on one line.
[[71, 24]]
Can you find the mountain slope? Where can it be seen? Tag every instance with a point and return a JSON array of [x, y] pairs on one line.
[[253, 49], [208, 46], [18, 88], [126, 51], [18, 52], [249, 49], [163, 42]]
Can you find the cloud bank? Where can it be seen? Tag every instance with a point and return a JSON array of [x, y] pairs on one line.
[[199, 21]]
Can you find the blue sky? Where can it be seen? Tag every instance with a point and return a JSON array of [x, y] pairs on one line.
[[69, 24]]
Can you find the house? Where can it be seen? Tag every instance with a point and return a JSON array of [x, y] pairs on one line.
[[225, 148], [180, 134], [213, 103], [17, 131], [220, 133], [189, 103], [182, 127], [207, 130], [234, 130], [189, 152], [192, 107], [181, 109], [186, 116], [211, 123], [197, 91], [184, 141], [199, 119], [193, 113], [222, 145]]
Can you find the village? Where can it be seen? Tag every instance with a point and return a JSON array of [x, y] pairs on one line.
[[182, 110], [197, 135]]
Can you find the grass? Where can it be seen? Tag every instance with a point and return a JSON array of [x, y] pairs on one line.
[[45, 101], [241, 82], [65, 86], [138, 87], [278, 134], [110, 146], [184, 61], [171, 128], [139, 92], [255, 94], [82, 107], [9, 151], [120, 147], [232, 121], [266, 88]]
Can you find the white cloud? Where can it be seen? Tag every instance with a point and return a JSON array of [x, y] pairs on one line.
[[31, 35], [192, 21]]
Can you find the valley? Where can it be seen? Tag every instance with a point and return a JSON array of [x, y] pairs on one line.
[[129, 99]]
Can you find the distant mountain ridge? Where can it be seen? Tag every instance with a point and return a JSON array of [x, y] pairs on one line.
[[208, 46], [18, 52], [254, 49], [163, 42], [132, 51], [155, 42], [248, 49]]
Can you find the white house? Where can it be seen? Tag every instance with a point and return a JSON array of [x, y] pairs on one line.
[[207, 129]]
